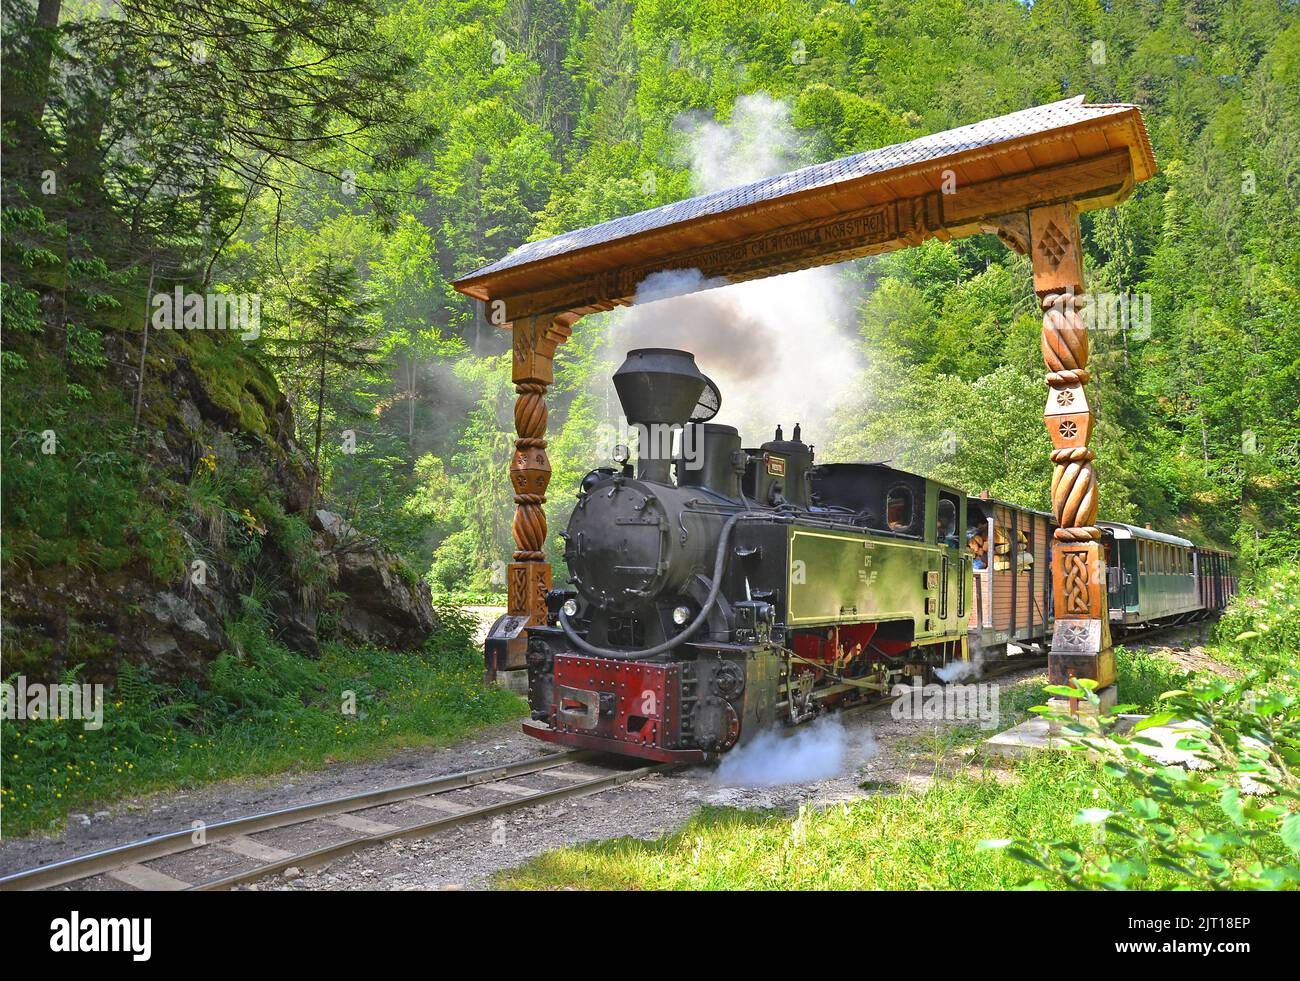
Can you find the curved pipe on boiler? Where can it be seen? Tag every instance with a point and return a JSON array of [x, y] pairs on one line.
[[719, 561]]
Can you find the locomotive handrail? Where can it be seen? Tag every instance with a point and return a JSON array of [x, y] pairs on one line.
[[689, 630]]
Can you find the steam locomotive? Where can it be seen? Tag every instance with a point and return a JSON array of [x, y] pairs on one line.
[[719, 590]]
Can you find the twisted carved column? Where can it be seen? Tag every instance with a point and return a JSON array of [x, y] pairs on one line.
[[1081, 642], [528, 577], [530, 472]]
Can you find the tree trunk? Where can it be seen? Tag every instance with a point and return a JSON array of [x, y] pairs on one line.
[[320, 406], [410, 403], [27, 83], [144, 347]]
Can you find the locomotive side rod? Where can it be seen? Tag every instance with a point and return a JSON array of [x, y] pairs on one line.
[[886, 699]]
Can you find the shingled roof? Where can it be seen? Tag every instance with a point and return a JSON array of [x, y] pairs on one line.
[[954, 145]]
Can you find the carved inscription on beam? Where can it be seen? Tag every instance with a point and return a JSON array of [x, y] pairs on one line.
[[805, 244], [785, 249]]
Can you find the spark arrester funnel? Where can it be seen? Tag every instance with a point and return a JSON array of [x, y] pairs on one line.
[[660, 390]]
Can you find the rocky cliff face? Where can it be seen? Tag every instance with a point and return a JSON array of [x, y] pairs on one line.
[[235, 535], [386, 606]]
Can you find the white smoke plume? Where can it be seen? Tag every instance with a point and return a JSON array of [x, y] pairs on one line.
[[960, 670], [819, 751], [759, 142], [782, 348]]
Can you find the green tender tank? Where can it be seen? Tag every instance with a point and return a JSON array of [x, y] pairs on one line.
[[842, 576]]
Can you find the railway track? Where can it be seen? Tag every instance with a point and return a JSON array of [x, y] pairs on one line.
[[249, 848], [230, 853]]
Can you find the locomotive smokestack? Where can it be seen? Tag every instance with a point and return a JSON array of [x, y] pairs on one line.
[[659, 389]]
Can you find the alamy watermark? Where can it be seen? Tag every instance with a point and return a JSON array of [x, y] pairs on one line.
[[179, 310], [75, 933], [64, 701], [653, 441], [1127, 312], [946, 703]]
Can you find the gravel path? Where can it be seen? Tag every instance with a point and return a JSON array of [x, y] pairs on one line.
[[466, 857]]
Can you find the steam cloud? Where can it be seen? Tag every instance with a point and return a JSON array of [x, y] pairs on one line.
[[960, 670], [776, 346], [818, 751]]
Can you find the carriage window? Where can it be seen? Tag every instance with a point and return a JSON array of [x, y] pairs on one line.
[[898, 509], [1142, 558], [945, 522]]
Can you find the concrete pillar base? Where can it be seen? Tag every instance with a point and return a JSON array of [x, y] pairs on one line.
[[1083, 710]]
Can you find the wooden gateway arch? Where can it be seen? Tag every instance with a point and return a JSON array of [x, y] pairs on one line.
[[1025, 176]]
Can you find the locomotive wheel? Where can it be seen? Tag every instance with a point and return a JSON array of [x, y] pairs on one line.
[[714, 723]]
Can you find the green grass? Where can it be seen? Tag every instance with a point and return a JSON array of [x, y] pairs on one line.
[[467, 597], [900, 840], [1142, 677], [263, 710], [898, 837]]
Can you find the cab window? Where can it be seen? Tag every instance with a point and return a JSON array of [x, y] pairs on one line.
[[945, 521], [898, 508]]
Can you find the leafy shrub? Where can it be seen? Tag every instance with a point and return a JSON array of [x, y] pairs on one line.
[[262, 710], [1263, 628], [1231, 823]]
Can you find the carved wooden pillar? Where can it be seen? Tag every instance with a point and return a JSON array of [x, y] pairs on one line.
[[528, 577], [1081, 642]]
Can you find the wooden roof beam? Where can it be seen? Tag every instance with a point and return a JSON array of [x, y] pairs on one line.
[[997, 204]]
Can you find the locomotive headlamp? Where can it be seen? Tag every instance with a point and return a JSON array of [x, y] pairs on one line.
[[681, 614], [621, 453], [570, 608]]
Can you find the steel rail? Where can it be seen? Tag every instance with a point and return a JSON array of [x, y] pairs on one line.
[[174, 842], [330, 852]]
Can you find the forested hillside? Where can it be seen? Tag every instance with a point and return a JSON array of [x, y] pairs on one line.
[[343, 162]]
